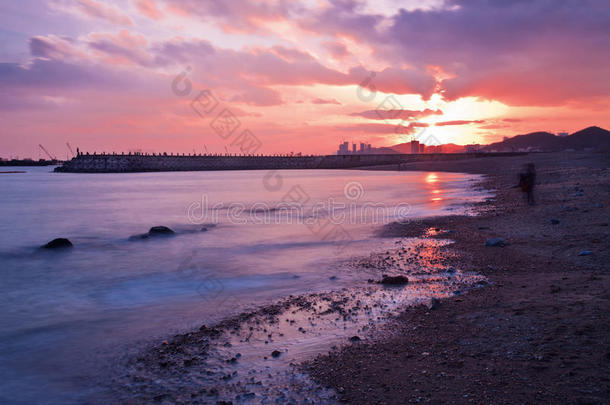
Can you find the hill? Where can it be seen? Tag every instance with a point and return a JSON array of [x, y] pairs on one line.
[[595, 138], [591, 137]]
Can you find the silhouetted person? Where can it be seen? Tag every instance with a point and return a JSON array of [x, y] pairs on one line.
[[527, 180]]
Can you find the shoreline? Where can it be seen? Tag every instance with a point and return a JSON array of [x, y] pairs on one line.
[[384, 360], [539, 332]]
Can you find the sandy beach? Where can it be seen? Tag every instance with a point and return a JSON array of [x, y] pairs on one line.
[[526, 322], [537, 334]]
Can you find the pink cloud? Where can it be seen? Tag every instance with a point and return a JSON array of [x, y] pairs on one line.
[[336, 49], [93, 9], [149, 8], [325, 101], [54, 47]]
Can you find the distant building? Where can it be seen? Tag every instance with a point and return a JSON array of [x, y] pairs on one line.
[[475, 147], [563, 134], [422, 148], [343, 149], [414, 146]]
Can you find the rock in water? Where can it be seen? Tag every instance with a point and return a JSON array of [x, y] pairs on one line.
[[554, 221], [59, 243], [355, 339], [276, 353], [394, 280], [160, 230], [496, 242]]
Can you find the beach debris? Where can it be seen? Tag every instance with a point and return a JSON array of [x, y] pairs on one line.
[[160, 230], [585, 253], [58, 243], [276, 353], [493, 242], [393, 280], [554, 221]]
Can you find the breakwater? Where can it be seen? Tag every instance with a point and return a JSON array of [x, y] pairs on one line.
[[125, 163]]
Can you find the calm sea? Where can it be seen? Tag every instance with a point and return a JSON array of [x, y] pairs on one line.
[[243, 238]]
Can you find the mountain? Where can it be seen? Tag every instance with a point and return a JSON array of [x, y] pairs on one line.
[[589, 138], [592, 137], [531, 141]]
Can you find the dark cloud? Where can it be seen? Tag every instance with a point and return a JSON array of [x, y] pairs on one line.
[[381, 114]]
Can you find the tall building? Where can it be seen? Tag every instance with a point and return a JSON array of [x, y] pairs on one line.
[[343, 149], [422, 148], [414, 146]]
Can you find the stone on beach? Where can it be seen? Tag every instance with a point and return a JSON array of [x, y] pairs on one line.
[[394, 280], [496, 242], [58, 243]]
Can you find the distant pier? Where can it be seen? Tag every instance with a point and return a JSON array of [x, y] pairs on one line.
[[129, 163]]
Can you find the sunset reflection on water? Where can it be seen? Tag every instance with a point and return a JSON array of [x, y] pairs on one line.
[[431, 180]]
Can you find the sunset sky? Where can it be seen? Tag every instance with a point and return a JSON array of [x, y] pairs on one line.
[[301, 76]]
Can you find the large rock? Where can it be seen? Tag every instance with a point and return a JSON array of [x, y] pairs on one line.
[[59, 243], [160, 230]]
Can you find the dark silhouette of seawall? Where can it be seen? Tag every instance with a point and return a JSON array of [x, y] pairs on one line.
[[121, 163]]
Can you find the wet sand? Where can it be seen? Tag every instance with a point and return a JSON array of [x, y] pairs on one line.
[[539, 333], [522, 323]]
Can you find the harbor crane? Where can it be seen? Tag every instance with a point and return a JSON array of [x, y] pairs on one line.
[[51, 157], [70, 149]]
